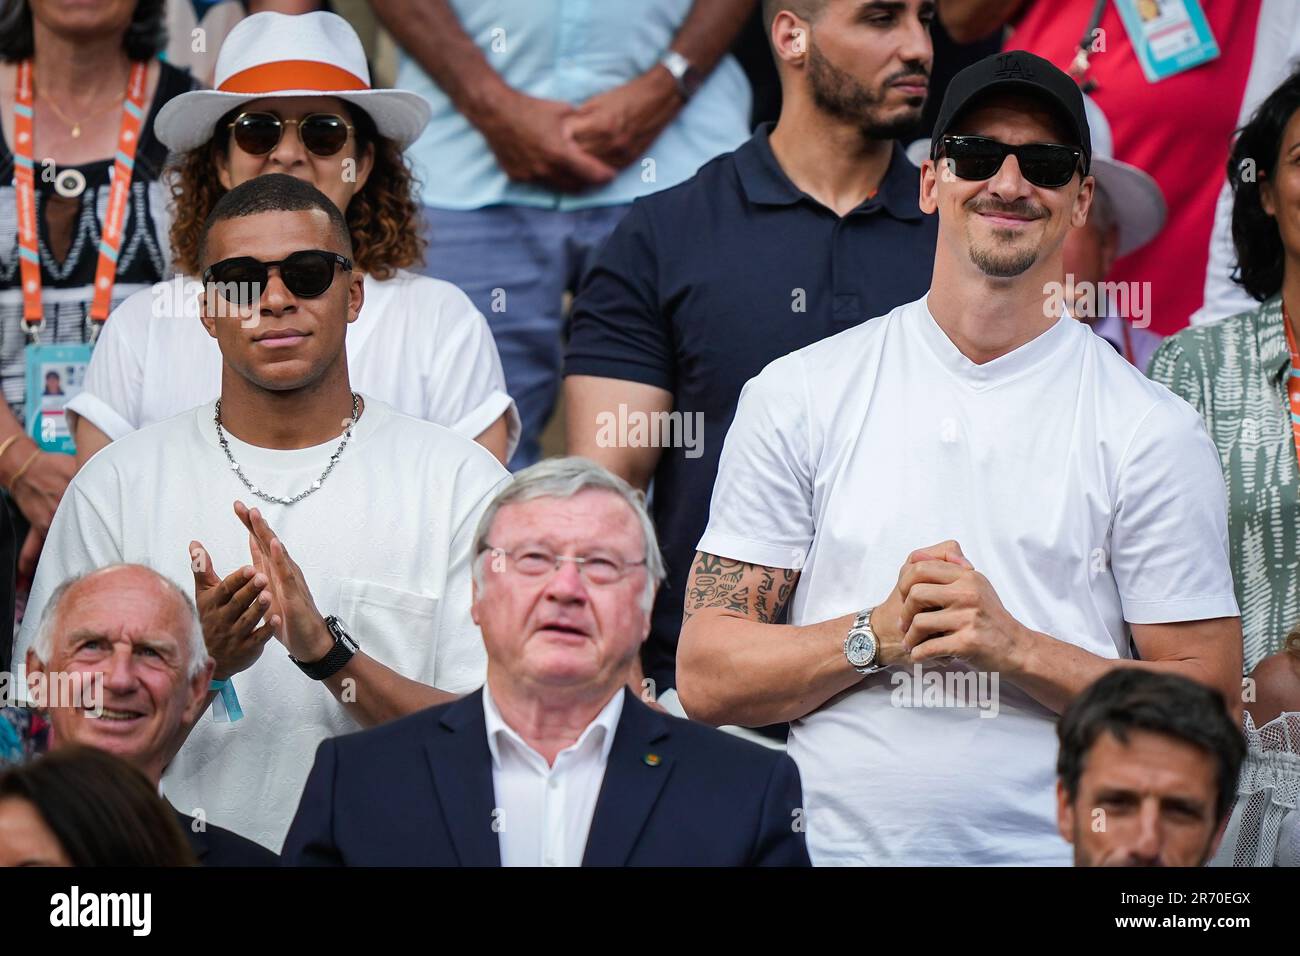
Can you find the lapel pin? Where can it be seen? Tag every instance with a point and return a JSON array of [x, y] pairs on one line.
[[651, 760]]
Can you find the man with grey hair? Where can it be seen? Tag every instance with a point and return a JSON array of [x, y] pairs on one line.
[[554, 762], [119, 663]]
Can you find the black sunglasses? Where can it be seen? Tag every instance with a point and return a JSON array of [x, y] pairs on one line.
[[321, 133], [306, 274], [1049, 165]]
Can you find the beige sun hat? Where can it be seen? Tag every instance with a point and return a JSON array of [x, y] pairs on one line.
[[1135, 198], [277, 54]]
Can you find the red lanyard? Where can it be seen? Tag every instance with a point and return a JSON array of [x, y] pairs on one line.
[[1293, 381], [1128, 342], [128, 137]]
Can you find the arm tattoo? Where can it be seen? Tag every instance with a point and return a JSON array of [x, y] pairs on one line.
[[754, 590]]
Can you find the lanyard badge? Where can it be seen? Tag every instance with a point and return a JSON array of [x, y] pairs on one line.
[[55, 373], [1168, 36], [54, 377]]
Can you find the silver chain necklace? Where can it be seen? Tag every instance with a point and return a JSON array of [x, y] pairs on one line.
[[238, 469]]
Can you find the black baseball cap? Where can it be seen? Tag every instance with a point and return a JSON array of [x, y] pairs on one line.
[[1022, 72]]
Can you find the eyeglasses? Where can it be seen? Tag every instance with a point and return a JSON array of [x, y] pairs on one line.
[[321, 133], [306, 274], [535, 561], [1049, 165]]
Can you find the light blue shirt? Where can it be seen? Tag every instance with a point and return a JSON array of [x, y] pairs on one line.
[[571, 50]]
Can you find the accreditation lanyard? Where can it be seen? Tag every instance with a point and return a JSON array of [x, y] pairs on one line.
[[1293, 381], [128, 138], [1128, 342]]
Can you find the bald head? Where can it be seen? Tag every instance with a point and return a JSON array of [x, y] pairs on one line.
[[120, 660]]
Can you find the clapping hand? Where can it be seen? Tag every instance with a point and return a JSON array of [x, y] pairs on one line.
[[230, 610], [297, 623]]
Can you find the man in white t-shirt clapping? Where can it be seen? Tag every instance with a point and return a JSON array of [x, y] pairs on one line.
[[368, 511], [1078, 508]]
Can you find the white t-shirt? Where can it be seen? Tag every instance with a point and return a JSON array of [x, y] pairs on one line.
[[384, 543], [1086, 494], [418, 344]]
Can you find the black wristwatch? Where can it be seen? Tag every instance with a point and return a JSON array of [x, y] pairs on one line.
[[338, 657]]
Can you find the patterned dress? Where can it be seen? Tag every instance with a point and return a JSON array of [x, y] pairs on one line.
[[67, 276], [1235, 372]]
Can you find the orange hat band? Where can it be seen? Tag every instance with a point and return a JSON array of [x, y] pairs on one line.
[[292, 75]]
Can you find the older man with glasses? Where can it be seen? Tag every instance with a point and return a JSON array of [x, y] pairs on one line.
[[554, 762]]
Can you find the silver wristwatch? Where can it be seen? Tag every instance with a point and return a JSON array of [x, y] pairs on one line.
[[685, 75], [861, 647]]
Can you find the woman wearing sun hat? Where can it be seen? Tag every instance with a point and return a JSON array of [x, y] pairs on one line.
[[292, 95]]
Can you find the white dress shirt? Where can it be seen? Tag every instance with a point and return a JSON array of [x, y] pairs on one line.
[[543, 813]]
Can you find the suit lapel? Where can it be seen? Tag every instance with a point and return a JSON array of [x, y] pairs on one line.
[[461, 765], [635, 774]]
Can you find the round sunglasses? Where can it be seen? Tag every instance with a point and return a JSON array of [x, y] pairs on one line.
[[307, 274], [323, 134], [1049, 165]]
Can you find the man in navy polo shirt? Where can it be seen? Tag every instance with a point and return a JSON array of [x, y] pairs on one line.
[[811, 227]]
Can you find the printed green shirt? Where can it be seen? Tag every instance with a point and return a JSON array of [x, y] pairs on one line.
[[1234, 372]]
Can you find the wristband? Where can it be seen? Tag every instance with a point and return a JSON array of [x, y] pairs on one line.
[[225, 706]]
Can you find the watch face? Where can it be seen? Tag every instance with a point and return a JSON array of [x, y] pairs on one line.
[[861, 648], [336, 628]]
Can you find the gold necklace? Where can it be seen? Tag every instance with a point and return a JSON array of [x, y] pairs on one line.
[[75, 124]]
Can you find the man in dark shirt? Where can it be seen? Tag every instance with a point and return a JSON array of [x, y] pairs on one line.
[[811, 227]]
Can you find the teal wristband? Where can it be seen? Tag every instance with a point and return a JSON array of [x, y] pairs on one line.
[[226, 705]]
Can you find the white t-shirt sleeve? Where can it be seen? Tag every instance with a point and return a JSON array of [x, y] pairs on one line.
[[762, 507], [110, 396], [82, 537], [1169, 539], [467, 390]]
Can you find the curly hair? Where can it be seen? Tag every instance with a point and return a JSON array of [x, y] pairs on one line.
[[383, 217], [145, 37], [1260, 256]]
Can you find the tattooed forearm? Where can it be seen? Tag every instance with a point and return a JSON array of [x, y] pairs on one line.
[[737, 601], [765, 594], [712, 581], [756, 591]]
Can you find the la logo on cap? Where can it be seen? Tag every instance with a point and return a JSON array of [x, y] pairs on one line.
[[1011, 66]]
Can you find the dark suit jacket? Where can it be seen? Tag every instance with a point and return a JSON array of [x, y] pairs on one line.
[[216, 846], [418, 792]]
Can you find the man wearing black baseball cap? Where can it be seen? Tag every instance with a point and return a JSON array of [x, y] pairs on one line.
[[1016, 71], [1079, 509]]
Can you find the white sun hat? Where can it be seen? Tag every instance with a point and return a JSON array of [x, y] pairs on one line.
[[1135, 198], [277, 54]]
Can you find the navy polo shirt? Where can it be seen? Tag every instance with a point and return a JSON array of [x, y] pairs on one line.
[[703, 284]]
